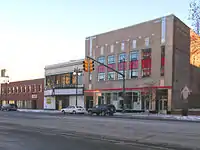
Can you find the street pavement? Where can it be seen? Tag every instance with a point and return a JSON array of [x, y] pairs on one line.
[[38, 132]]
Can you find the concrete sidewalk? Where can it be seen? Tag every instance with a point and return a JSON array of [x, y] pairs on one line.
[[129, 115], [158, 117]]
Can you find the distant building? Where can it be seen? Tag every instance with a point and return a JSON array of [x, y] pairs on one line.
[[60, 85], [28, 94], [157, 56]]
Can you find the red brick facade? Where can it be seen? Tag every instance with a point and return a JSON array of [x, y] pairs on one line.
[[26, 94]]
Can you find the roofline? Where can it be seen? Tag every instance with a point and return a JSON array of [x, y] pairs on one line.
[[64, 64], [25, 80], [128, 26]]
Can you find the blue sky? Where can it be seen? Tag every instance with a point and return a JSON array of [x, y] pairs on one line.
[[35, 33]]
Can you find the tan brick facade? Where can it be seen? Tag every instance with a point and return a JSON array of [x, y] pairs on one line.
[[166, 31]]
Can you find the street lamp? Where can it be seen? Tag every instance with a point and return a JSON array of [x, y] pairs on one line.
[[77, 72]]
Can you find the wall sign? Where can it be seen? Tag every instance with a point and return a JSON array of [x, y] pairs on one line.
[[63, 92]]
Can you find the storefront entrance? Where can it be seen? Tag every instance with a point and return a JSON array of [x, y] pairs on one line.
[[162, 106], [62, 102], [162, 101], [89, 102]]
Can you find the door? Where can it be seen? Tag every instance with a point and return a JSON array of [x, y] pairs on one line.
[[88, 102], [163, 106]]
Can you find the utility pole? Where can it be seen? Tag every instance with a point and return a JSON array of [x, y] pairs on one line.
[[124, 90]]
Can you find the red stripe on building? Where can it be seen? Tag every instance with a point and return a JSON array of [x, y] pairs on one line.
[[120, 89]]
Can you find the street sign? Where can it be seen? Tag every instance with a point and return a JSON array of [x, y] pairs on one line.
[[185, 92]]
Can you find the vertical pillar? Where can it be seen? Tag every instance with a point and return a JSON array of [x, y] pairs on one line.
[[169, 100]]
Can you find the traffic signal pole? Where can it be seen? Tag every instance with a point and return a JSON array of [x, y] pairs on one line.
[[122, 74]]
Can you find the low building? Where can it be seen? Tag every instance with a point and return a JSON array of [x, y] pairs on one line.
[[61, 85], [27, 94]]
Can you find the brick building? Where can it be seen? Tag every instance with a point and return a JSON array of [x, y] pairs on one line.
[[26, 94], [157, 66]]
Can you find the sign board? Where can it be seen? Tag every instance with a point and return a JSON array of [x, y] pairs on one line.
[[49, 103], [48, 100], [34, 96], [185, 92], [63, 92]]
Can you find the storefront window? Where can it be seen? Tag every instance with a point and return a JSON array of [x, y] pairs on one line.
[[28, 104], [67, 78], [50, 81], [20, 104], [62, 79], [115, 95], [129, 100], [108, 98], [135, 96], [58, 79], [80, 79], [73, 79]]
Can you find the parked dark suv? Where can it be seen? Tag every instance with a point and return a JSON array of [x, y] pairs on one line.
[[9, 107], [103, 109]]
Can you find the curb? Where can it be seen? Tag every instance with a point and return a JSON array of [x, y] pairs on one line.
[[118, 116], [155, 118]]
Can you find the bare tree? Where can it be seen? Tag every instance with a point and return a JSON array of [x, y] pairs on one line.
[[148, 93], [194, 15]]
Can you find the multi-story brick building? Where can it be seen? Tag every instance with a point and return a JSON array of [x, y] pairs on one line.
[[61, 85], [26, 94], [157, 66]]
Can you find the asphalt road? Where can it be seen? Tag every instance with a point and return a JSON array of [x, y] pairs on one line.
[[42, 132]]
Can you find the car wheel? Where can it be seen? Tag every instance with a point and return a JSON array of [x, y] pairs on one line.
[[103, 113], [111, 114], [90, 112], [74, 112], [63, 111]]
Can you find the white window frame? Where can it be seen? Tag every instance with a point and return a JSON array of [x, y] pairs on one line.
[[111, 48], [134, 44], [146, 41], [102, 50], [119, 57], [122, 46], [101, 74], [99, 58], [119, 77], [113, 73], [113, 59], [133, 70], [90, 78], [132, 52]]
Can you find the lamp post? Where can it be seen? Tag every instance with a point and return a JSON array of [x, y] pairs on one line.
[[77, 72]]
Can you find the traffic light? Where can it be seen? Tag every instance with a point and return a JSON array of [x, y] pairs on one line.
[[85, 65], [91, 65]]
